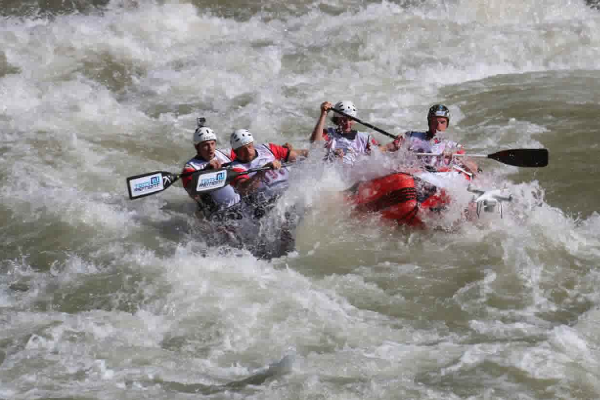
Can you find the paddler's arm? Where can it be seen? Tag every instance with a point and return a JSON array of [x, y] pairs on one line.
[[392, 146], [317, 133], [245, 186], [286, 153], [470, 165], [186, 179], [464, 162], [293, 154], [249, 185]]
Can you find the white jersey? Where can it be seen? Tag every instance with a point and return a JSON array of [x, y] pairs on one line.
[[216, 200], [418, 142], [352, 146], [275, 181]]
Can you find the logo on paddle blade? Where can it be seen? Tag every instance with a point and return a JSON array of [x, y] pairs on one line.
[[145, 185], [211, 181]]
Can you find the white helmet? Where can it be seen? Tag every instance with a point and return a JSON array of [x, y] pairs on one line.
[[346, 107], [202, 134], [240, 137]]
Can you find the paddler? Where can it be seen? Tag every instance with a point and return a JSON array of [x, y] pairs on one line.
[[263, 187], [431, 141], [218, 204], [342, 142], [260, 190]]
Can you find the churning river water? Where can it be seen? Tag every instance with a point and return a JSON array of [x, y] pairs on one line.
[[102, 297]]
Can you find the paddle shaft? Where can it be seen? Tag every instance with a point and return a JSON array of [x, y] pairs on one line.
[[453, 155], [365, 123], [258, 169], [206, 171]]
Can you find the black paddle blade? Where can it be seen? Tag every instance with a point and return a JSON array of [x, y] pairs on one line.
[[150, 183], [531, 158]]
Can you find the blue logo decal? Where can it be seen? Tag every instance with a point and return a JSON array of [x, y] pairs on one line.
[[212, 181], [149, 184]]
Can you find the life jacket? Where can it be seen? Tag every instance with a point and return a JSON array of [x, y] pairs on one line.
[[352, 144], [215, 201], [422, 142], [274, 183]]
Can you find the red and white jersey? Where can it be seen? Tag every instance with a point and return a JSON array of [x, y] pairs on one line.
[[216, 200], [420, 142], [352, 144], [275, 181]]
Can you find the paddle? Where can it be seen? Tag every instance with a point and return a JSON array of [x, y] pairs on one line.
[[528, 158], [154, 182], [150, 183], [364, 123]]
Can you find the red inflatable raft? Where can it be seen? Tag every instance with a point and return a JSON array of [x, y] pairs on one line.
[[400, 197]]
